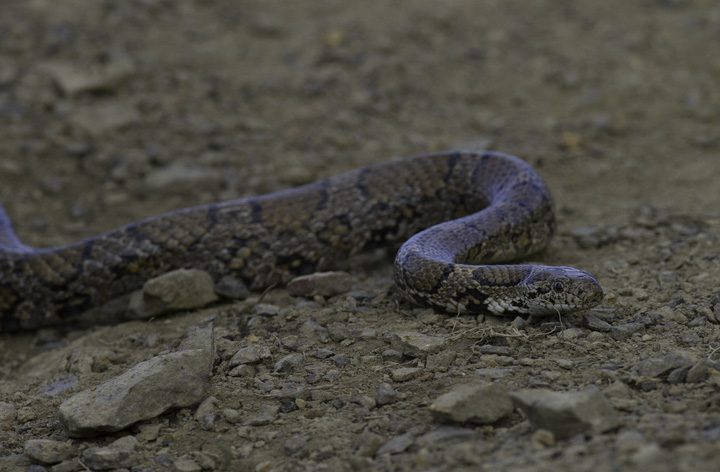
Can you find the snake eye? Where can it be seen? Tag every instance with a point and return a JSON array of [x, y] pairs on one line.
[[558, 287]]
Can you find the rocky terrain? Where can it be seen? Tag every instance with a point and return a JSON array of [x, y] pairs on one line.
[[115, 111]]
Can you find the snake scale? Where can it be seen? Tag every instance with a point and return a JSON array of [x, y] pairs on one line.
[[462, 211]]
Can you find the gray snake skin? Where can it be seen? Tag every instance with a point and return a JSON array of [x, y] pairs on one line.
[[487, 207]]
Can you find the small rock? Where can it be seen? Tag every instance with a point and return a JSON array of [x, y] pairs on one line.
[[186, 465], [386, 395], [145, 391], [73, 80], [416, 344], [178, 178], [8, 413], [481, 403], [46, 451], [596, 324], [324, 353], [295, 444], [338, 331], [403, 374], [252, 354], [658, 367], [182, 289], [264, 416], [326, 284], [397, 444], [701, 371], [391, 355], [624, 331], [289, 362], [265, 309], [103, 117], [567, 413], [230, 287], [116, 455]]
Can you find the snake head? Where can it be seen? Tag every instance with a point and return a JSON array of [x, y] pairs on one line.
[[560, 290]]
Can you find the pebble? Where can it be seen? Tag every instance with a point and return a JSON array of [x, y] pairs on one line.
[[230, 287], [623, 332], [265, 309], [566, 414], [403, 374], [701, 371], [8, 413], [326, 284], [178, 178], [102, 118], [252, 354], [416, 344], [481, 403], [289, 362], [658, 367], [186, 465], [145, 391], [596, 324], [73, 80], [182, 289], [338, 331], [391, 355], [116, 455], [46, 451], [295, 445], [264, 416], [397, 444], [386, 395]]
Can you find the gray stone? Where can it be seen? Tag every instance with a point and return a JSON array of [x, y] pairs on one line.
[[8, 413], [182, 289], [72, 79], [624, 331], [264, 416], [338, 331], [660, 366], [416, 344], [566, 414], [289, 362], [116, 455], [296, 444], [230, 287], [701, 371], [46, 451], [397, 444], [145, 391], [252, 354], [403, 374], [386, 395], [185, 464], [101, 118], [326, 284], [481, 403], [178, 178]]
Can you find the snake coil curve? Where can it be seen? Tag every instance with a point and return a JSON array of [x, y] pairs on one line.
[[463, 212]]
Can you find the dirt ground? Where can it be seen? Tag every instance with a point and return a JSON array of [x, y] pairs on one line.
[[115, 111]]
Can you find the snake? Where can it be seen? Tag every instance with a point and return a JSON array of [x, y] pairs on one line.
[[463, 222]]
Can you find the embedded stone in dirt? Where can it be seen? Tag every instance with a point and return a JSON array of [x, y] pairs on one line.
[[182, 289], [47, 451], [567, 413], [482, 403], [147, 390], [416, 344]]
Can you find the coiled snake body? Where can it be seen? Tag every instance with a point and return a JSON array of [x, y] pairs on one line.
[[487, 207]]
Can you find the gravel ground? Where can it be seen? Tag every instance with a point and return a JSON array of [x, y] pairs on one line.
[[115, 111]]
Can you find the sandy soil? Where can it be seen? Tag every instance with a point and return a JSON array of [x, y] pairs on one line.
[[115, 111]]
